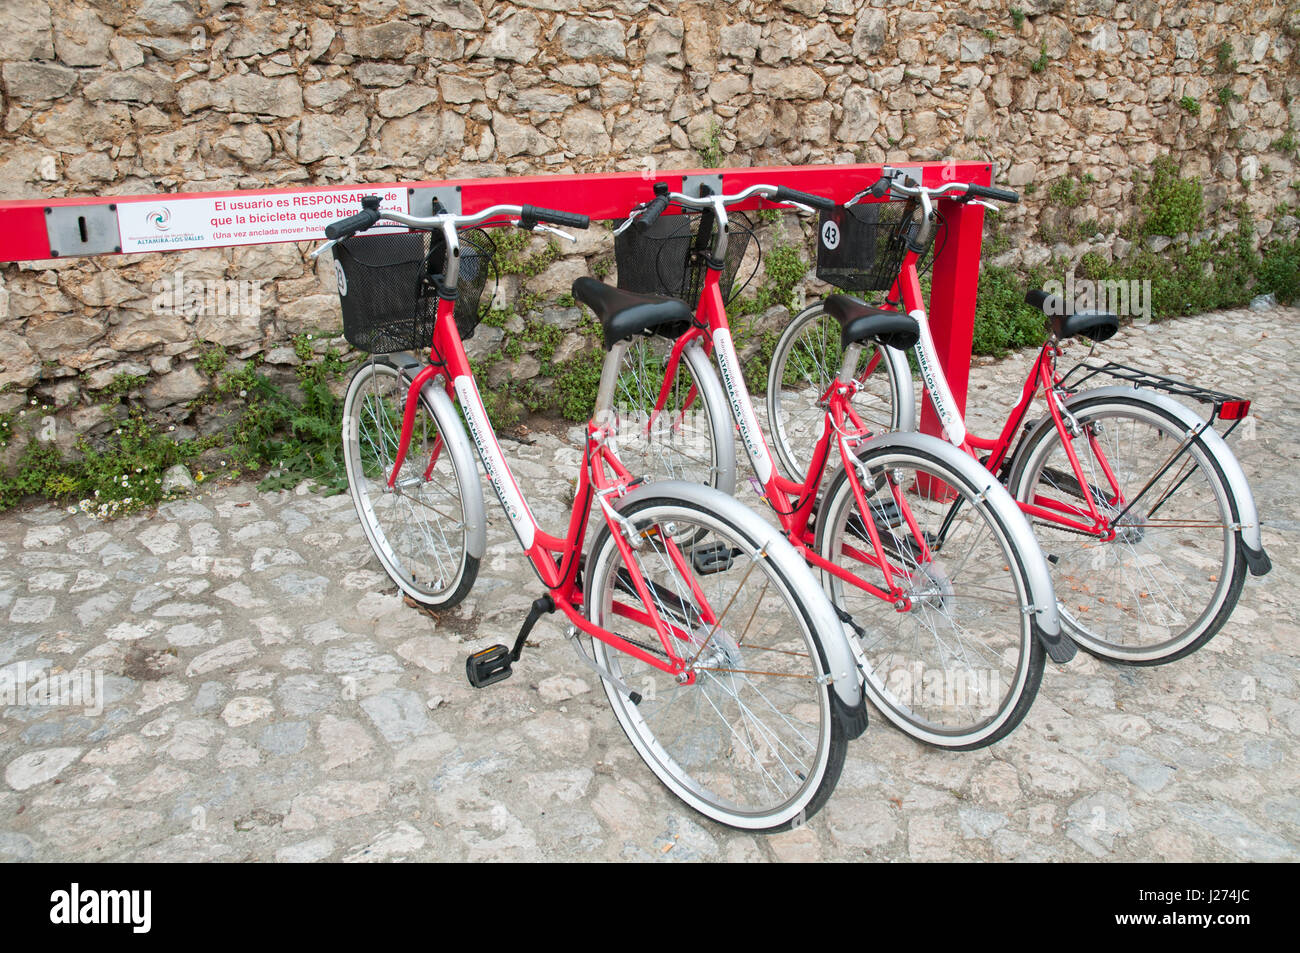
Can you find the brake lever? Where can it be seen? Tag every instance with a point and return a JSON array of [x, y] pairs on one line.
[[988, 205], [326, 247], [542, 227], [800, 207]]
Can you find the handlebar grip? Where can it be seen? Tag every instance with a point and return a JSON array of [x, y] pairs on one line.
[[367, 217], [987, 192], [803, 198], [652, 211], [571, 219], [352, 224]]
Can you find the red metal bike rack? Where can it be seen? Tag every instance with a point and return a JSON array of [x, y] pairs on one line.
[[33, 229]]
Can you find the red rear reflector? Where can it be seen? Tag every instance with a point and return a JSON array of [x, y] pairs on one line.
[[1234, 409]]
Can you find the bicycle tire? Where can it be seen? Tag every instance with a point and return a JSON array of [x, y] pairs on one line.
[[804, 363], [762, 711], [974, 610], [1154, 555], [420, 532]]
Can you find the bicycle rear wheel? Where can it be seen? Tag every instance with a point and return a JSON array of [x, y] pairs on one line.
[[691, 436], [419, 530], [753, 742], [959, 665], [1172, 575], [805, 362]]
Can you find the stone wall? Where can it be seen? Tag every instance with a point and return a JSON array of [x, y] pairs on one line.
[[142, 96]]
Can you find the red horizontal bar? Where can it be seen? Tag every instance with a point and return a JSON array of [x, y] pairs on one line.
[[610, 195]]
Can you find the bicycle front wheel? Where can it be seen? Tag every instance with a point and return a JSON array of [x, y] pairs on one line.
[[1172, 573], [955, 663], [806, 360], [673, 428], [751, 742], [419, 529]]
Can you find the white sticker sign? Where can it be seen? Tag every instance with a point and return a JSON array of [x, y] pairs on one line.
[[164, 224]]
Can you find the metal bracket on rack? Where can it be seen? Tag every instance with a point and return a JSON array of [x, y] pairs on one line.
[[421, 200], [82, 230], [692, 185]]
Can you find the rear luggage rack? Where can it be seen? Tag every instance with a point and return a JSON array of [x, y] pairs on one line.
[[1226, 406]]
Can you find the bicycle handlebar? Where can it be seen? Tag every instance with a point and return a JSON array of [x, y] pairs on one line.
[[888, 182], [776, 193], [529, 216]]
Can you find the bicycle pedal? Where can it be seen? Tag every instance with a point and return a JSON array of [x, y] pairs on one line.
[[489, 666], [715, 557]]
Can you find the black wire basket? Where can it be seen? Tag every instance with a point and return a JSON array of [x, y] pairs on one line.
[[667, 258], [388, 287], [861, 247]]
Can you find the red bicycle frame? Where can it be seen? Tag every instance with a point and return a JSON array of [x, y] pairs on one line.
[[907, 290], [793, 502], [556, 560]]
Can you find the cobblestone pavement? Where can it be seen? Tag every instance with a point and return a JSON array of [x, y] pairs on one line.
[[268, 697]]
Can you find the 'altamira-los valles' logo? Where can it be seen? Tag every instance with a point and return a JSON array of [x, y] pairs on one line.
[[77, 906]]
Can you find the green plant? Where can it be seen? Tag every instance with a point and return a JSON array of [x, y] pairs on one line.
[[121, 385], [783, 268], [1002, 319], [211, 360], [1287, 143], [1171, 204], [1017, 17], [990, 35], [1279, 271], [1040, 64], [577, 383], [511, 256], [1190, 105], [1226, 95], [263, 427], [711, 154], [1223, 57], [1067, 192]]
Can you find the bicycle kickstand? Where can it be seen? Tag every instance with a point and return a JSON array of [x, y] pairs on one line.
[[493, 664]]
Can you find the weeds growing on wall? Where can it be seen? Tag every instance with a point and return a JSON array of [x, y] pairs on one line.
[[258, 427]]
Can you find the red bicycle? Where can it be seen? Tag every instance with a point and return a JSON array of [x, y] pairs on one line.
[[1142, 510], [729, 673], [925, 556]]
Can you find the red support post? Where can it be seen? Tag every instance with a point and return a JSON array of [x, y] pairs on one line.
[[952, 301]]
